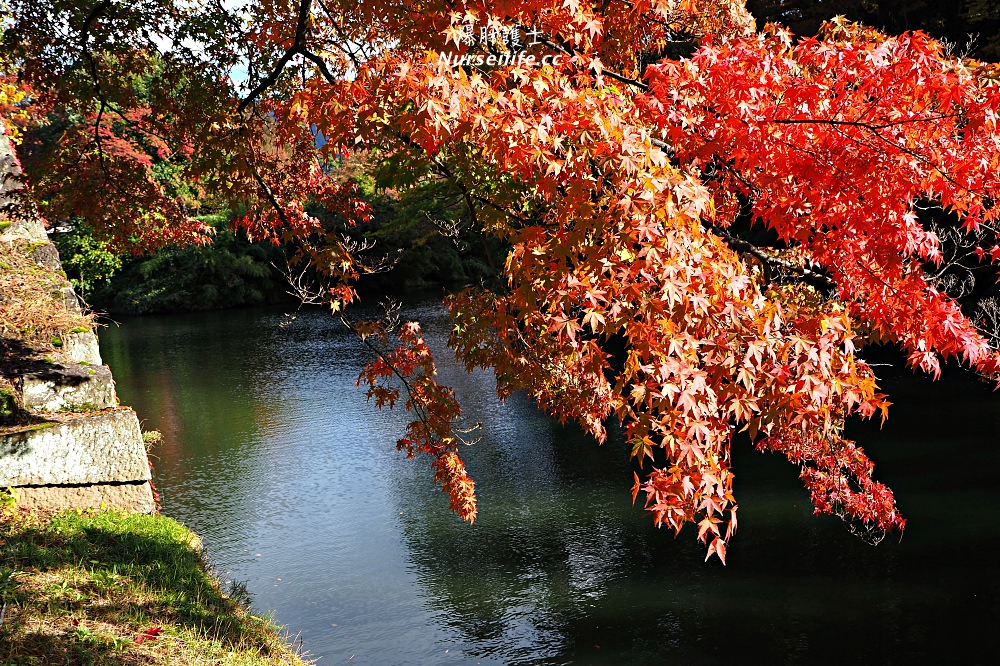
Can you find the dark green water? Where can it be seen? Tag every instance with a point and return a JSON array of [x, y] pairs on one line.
[[271, 454]]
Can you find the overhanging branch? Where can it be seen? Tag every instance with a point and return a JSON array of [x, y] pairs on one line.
[[806, 275], [298, 47]]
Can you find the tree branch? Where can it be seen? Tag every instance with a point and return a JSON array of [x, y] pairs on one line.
[[858, 123], [298, 47], [807, 275]]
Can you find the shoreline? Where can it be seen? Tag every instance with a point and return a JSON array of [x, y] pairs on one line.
[[108, 587]]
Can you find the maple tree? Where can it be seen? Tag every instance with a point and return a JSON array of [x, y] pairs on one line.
[[970, 24], [706, 221]]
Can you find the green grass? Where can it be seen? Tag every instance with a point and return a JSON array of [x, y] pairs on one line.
[[8, 405], [80, 407], [91, 588], [41, 426]]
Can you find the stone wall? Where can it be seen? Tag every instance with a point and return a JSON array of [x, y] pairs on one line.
[[74, 446]]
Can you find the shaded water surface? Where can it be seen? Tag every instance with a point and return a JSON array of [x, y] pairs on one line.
[[272, 455]]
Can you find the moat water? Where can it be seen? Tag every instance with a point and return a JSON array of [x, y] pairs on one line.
[[272, 455]]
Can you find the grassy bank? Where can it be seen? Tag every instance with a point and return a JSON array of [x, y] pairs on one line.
[[109, 588]]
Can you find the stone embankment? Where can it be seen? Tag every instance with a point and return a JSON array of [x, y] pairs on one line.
[[65, 442]]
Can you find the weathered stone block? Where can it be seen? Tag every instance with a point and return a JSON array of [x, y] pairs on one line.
[[75, 461], [70, 300], [31, 228], [82, 347], [10, 170], [70, 388], [22, 226], [47, 256], [136, 497], [98, 448]]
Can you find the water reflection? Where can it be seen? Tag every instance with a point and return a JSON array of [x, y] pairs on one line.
[[273, 456]]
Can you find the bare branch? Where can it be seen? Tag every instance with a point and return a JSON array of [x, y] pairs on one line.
[[298, 43], [807, 275]]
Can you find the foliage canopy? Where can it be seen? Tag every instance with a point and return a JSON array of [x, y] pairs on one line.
[[706, 220]]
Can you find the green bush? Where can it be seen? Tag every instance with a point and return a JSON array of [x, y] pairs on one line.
[[229, 272], [9, 409]]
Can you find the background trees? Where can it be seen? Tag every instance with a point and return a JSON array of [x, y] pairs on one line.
[[972, 25], [705, 221]]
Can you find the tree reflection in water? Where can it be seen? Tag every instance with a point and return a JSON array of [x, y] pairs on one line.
[[273, 450]]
